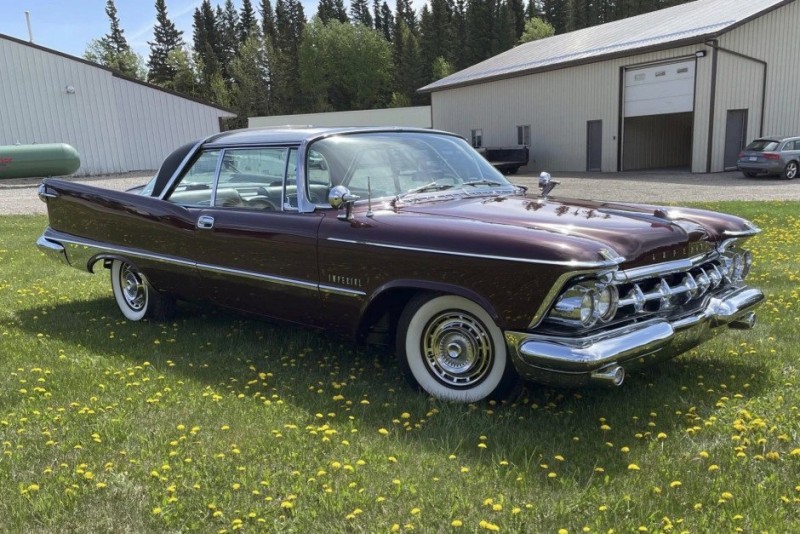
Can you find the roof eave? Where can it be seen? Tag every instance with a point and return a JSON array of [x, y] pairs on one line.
[[605, 57]]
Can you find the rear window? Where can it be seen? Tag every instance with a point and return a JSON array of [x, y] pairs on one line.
[[762, 145]]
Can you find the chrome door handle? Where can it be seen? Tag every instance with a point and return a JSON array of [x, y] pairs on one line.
[[205, 222]]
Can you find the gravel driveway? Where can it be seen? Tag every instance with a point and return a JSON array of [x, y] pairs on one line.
[[18, 196]]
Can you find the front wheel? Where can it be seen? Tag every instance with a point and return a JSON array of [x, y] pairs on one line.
[[790, 171], [135, 297], [451, 348]]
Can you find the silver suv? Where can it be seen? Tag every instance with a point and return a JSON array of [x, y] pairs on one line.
[[771, 155]]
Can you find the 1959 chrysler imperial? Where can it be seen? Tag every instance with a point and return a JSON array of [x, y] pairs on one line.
[[411, 237]]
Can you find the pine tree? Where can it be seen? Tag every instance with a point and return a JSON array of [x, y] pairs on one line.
[[359, 12], [116, 37], [289, 23], [328, 10], [113, 51], [405, 13], [436, 37], [376, 16], [267, 20], [247, 22], [387, 22], [227, 28], [459, 26], [206, 48], [166, 38]]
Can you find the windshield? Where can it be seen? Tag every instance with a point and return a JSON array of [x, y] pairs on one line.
[[400, 164]]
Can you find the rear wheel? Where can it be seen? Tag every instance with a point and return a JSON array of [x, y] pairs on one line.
[[451, 348], [135, 297], [790, 171]]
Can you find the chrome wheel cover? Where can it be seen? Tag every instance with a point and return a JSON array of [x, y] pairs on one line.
[[457, 349], [133, 288]]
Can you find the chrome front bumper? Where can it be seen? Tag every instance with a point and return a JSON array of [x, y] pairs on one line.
[[604, 357]]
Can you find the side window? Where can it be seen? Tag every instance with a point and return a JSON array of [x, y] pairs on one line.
[[524, 135], [194, 187], [251, 178], [244, 178], [477, 138]]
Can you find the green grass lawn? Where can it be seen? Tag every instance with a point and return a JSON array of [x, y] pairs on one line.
[[217, 422]]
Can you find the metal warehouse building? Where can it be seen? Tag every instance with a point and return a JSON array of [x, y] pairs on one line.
[[117, 124], [683, 87]]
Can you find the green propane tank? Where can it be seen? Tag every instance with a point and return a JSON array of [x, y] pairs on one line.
[[38, 161]]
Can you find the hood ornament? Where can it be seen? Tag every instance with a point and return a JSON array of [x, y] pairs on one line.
[[546, 184]]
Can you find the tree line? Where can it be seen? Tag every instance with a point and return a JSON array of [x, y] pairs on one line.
[[273, 60]]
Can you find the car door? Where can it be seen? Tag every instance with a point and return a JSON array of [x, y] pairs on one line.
[[254, 250]]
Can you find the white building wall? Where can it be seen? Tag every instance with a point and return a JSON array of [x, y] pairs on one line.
[[773, 38], [153, 123], [415, 117], [115, 124], [557, 105]]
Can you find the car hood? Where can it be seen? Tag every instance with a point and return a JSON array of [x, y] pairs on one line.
[[639, 233]]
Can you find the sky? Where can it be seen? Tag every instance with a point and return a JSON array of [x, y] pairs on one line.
[[69, 25]]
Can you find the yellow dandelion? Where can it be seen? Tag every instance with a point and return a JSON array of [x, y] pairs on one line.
[[415, 511], [675, 484], [713, 467], [156, 511], [384, 432], [456, 523], [633, 467]]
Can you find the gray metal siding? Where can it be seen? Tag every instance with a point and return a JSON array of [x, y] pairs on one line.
[[693, 21], [115, 124], [557, 105], [772, 38], [154, 122]]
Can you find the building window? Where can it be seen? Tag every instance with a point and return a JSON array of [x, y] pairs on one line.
[[524, 135], [477, 138]]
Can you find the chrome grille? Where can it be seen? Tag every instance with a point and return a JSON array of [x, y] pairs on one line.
[[674, 290]]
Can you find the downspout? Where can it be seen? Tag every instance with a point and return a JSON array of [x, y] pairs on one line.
[[714, 44]]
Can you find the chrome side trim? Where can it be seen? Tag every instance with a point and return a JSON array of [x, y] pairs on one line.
[[79, 252], [342, 291], [743, 233], [242, 273], [580, 264]]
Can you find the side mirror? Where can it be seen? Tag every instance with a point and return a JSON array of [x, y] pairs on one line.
[[340, 196]]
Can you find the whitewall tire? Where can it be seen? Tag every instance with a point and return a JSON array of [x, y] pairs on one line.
[[135, 297], [452, 349]]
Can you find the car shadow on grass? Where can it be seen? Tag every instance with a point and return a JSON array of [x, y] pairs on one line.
[[323, 374]]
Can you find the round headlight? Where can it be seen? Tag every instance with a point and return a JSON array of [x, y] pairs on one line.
[[578, 304], [607, 299]]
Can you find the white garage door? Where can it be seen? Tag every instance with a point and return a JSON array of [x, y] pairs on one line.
[[661, 89]]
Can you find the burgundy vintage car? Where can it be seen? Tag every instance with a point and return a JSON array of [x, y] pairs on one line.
[[410, 237]]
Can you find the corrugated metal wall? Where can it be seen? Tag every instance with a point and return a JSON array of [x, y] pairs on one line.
[[557, 105], [772, 38], [115, 124]]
